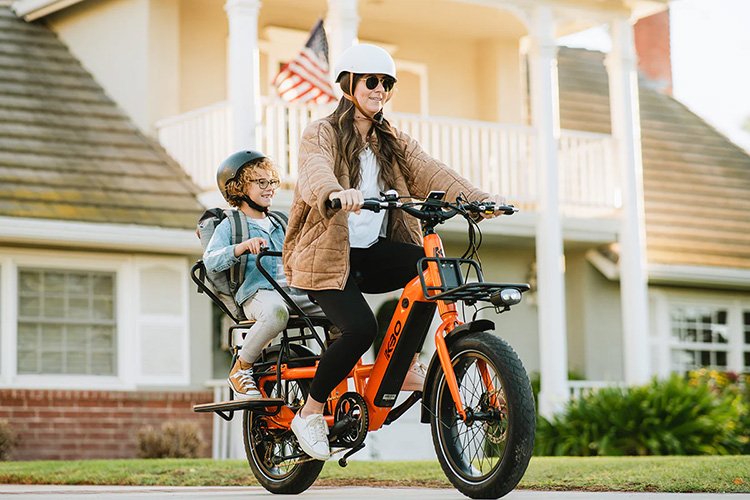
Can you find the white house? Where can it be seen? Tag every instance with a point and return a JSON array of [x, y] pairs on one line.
[[633, 209]]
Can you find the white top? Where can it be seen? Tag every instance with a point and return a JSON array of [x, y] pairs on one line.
[[365, 228], [264, 223]]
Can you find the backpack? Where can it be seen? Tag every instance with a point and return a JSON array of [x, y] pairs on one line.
[[224, 284]]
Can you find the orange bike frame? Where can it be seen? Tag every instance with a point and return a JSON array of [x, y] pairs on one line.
[[368, 378]]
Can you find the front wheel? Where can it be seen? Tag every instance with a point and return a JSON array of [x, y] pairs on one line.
[[485, 455]]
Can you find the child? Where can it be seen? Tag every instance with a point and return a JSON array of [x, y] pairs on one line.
[[248, 181]]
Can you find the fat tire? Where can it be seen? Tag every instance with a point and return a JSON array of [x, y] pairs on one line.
[[300, 476], [505, 473]]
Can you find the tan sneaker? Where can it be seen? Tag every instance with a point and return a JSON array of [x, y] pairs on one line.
[[414, 380], [242, 382]]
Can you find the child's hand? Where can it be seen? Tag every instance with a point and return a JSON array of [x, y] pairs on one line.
[[253, 245]]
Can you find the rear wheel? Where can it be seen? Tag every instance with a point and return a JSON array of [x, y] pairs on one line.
[[485, 455], [274, 456]]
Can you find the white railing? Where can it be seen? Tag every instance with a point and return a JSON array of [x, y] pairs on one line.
[[497, 157], [588, 177], [226, 441], [580, 388], [199, 140], [282, 129]]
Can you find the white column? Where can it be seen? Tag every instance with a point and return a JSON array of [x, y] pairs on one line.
[[626, 130], [243, 72], [341, 24], [553, 356]]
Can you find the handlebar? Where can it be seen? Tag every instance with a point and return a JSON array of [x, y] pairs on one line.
[[432, 209]]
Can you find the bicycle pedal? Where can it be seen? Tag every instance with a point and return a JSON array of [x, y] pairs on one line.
[[342, 460]]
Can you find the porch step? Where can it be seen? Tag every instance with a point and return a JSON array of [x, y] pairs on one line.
[[238, 404]]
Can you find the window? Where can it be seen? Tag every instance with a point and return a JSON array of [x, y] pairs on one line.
[[699, 338], [746, 340], [66, 322]]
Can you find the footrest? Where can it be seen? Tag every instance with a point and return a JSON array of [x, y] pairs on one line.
[[238, 404]]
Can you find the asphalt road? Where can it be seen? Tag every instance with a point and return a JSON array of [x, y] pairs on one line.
[[61, 492]]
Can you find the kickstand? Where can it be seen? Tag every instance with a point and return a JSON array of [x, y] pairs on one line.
[[342, 460]]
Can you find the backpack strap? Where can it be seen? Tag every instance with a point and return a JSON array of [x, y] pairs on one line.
[[239, 232], [279, 217]]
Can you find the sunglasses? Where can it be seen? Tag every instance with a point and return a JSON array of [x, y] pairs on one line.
[[371, 82], [264, 183]]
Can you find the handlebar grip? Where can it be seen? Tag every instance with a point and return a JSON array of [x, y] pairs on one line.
[[373, 205], [335, 203], [369, 204], [507, 209]]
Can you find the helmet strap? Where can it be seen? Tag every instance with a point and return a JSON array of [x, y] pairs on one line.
[[378, 117], [254, 205]]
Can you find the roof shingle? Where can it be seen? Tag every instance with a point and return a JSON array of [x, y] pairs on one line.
[[696, 182], [67, 152]]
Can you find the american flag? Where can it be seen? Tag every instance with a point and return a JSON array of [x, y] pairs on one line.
[[305, 78]]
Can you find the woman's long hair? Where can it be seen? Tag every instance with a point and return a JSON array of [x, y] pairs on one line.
[[390, 152]]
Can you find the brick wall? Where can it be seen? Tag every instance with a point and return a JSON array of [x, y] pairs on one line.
[[58, 425]]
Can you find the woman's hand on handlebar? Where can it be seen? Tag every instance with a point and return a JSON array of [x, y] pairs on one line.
[[253, 245], [498, 201], [351, 199]]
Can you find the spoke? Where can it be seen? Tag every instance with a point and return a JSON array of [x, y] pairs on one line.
[[477, 442], [474, 439], [476, 447]]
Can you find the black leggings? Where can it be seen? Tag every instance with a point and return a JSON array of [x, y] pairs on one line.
[[383, 267]]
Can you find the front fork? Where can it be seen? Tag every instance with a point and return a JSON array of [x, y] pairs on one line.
[[445, 361], [450, 375], [449, 314]]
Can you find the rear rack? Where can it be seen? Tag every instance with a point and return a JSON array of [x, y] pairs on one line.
[[452, 287]]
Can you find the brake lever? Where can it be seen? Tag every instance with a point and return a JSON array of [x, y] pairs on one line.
[[490, 208]]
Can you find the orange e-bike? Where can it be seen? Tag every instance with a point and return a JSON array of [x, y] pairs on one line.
[[476, 397]]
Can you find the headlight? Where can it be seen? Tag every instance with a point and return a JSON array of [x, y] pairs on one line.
[[506, 297]]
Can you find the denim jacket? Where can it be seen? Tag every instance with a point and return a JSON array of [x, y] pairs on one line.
[[219, 256]]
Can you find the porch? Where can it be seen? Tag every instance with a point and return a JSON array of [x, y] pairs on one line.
[[497, 157]]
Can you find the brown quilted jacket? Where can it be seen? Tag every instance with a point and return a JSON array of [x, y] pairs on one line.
[[316, 248]]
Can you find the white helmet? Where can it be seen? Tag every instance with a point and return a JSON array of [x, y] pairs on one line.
[[365, 59]]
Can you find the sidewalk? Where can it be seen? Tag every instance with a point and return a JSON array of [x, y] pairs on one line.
[[63, 492]]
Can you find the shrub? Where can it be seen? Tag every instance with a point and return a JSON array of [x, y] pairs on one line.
[[734, 386], [173, 440], [8, 439], [665, 417]]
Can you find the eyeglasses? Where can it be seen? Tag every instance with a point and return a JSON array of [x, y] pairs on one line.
[[264, 183], [371, 82]]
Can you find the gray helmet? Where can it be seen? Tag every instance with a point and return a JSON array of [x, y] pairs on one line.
[[229, 168]]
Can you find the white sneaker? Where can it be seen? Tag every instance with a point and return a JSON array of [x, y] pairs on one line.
[[312, 435], [415, 377]]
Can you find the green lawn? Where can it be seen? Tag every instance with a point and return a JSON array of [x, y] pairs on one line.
[[668, 474]]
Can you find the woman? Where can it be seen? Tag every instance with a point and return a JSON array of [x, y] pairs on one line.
[[336, 255]]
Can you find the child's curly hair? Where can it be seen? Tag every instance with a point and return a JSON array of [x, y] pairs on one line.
[[236, 187]]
